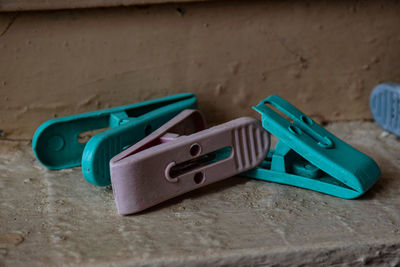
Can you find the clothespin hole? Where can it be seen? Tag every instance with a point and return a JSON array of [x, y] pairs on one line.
[[195, 150], [294, 129], [198, 177], [306, 120]]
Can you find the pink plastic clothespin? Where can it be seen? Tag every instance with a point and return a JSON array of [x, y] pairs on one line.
[[182, 156]]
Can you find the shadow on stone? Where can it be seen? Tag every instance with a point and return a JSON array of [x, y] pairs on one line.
[[209, 189]]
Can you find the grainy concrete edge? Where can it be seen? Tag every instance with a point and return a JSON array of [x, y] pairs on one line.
[[375, 253]]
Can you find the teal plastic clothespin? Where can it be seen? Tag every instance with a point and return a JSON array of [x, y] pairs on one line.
[[309, 156], [56, 144]]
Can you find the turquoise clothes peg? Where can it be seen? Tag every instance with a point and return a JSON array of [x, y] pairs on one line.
[[309, 156], [56, 144]]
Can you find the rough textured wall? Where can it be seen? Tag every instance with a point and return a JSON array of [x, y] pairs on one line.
[[324, 56], [19, 5]]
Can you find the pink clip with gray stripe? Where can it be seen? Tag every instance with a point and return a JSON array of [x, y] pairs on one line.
[[182, 156]]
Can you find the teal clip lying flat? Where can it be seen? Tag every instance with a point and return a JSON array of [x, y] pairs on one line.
[[309, 156], [56, 144]]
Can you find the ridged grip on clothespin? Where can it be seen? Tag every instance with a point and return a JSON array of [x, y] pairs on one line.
[[154, 170]]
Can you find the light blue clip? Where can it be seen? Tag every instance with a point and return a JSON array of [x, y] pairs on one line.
[[385, 106], [309, 156], [56, 144]]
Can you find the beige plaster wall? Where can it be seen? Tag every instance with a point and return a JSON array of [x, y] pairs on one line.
[[324, 56], [24, 5]]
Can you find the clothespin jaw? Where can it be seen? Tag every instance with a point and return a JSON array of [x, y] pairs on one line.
[[309, 156], [56, 144], [181, 156]]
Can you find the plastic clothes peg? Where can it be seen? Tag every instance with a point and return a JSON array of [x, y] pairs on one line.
[[385, 106], [182, 156], [56, 144], [309, 156]]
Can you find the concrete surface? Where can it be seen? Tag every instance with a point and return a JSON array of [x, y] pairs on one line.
[[323, 56], [55, 217]]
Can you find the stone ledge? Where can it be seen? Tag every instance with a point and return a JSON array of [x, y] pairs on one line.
[[57, 217]]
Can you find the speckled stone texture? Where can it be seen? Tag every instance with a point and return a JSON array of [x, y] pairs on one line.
[[54, 217]]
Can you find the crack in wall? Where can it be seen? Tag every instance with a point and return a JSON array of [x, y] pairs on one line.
[[8, 26]]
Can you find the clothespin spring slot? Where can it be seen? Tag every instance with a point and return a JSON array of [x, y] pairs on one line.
[[84, 137], [299, 124], [174, 170]]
